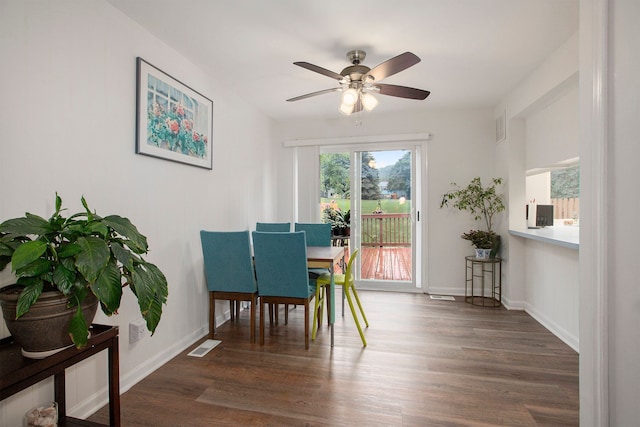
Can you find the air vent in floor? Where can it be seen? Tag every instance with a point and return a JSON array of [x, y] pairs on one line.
[[204, 348], [442, 297]]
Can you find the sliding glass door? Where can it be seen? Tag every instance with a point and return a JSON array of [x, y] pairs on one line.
[[375, 189]]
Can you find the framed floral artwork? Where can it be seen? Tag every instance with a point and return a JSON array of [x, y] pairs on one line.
[[173, 122]]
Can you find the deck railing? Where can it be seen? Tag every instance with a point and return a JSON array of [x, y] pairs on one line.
[[386, 230]]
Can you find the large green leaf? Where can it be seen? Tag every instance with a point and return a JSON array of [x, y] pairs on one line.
[[122, 255], [5, 250], [108, 288], [64, 278], [36, 268], [152, 316], [68, 250], [97, 227], [31, 224], [93, 258], [27, 253], [27, 297], [78, 328], [138, 242], [152, 290]]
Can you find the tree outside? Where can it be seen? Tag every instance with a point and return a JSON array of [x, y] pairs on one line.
[[400, 176], [370, 177], [565, 183], [334, 175]]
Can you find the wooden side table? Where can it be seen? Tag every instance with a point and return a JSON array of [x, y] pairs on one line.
[[479, 272], [18, 372]]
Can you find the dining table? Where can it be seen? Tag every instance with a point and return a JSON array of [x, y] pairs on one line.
[[327, 257]]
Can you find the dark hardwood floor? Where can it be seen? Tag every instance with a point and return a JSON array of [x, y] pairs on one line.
[[427, 363]]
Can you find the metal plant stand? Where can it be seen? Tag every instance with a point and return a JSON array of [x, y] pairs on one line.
[[483, 281]]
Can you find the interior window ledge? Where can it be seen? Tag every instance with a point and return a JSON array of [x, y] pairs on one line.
[[566, 236]]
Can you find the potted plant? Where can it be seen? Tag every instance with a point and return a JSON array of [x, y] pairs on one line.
[[483, 203], [79, 258], [340, 220], [486, 243]]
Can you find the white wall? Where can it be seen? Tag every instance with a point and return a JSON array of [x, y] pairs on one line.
[[542, 129], [552, 132], [552, 289], [623, 175], [461, 147], [67, 124]]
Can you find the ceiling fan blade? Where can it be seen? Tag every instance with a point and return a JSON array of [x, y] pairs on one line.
[[402, 91], [393, 66], [309, 95], [319, 70]]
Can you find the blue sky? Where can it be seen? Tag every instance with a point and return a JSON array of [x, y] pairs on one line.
[[386, 158]]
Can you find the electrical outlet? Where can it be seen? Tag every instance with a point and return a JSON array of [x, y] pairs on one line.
[[137, 331]]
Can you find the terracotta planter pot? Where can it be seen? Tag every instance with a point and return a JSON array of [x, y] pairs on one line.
[[44, 327]]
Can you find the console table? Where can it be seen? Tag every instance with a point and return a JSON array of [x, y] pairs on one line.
[[479, 269], [18, 372]]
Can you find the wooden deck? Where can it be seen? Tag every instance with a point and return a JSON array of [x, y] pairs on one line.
[[385, 263]]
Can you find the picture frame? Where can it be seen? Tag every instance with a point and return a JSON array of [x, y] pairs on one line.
[[173, 121]]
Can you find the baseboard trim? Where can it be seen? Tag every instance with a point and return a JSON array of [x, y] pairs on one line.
[[100, 398], [569, 339]]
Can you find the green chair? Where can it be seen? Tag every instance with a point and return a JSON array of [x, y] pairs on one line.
[[229, 273], [281, 272], [276, 227], [347, 282]]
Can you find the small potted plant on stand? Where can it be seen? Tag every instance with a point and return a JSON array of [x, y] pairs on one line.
[[483, 203], [340, 220], [73, 263], [486, 243]]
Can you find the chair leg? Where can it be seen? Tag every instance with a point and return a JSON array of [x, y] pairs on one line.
[[364, 316], [252, 321], [306, 325], [355, 318], [262, 321], [270, 314], [318, 310], [212, 315], [286, 314]]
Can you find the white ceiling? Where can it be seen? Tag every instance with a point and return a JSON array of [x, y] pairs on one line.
[[473, 51]]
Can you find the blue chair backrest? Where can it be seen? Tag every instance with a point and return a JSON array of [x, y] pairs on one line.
[[281, 264], [317, 234], [228, 263], [280, 227]]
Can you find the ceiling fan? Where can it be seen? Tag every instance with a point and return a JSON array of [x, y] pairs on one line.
[[358, 82]]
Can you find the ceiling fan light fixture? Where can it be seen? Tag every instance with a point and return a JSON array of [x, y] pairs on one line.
[[346, 109], [350, 97], [369, 102]]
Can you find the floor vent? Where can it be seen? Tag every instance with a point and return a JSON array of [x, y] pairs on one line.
[[442, 297], [204, 348]]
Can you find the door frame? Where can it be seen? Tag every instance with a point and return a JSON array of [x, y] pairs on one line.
[[417, 190]]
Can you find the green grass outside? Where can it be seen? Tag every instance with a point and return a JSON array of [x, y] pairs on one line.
[[368, 206]]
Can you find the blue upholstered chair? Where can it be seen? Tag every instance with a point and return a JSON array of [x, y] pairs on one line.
[[317, 234], [281, 271], [228, 266], [278, 227]]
